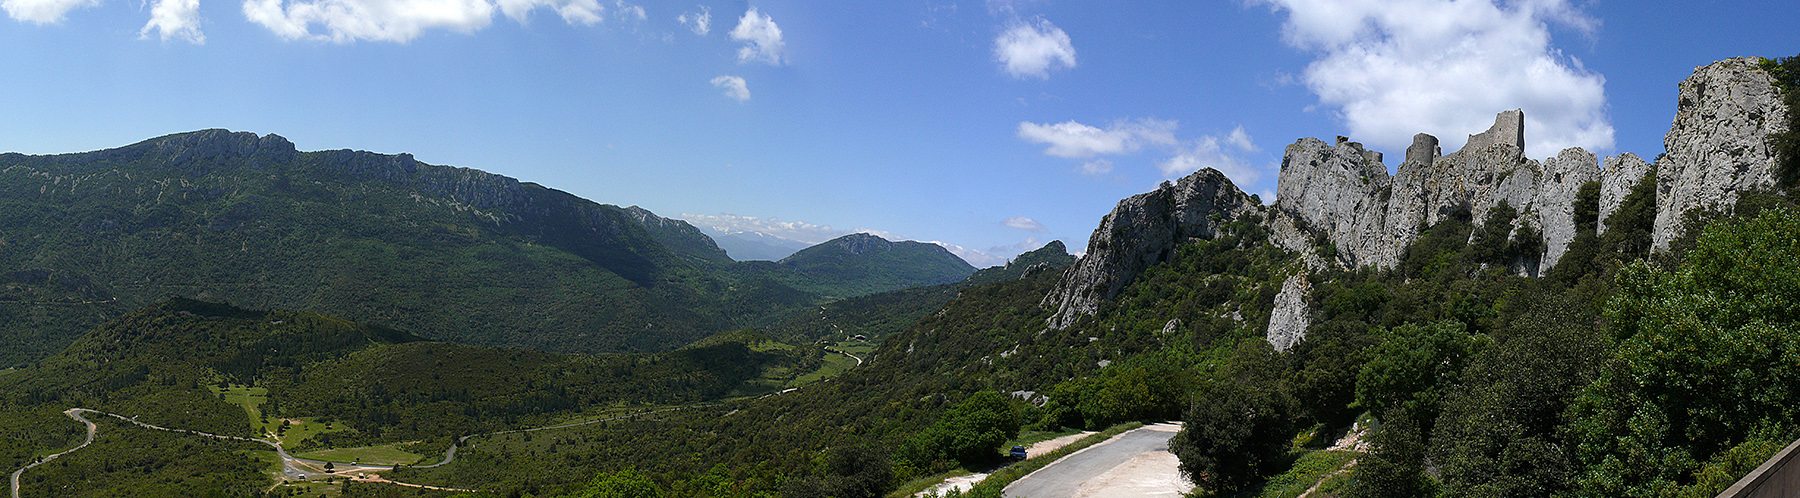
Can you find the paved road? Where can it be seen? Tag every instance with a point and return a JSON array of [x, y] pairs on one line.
[[74, 413], [1136, 463]]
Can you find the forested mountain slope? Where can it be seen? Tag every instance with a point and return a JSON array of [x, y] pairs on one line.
[[453, 253]]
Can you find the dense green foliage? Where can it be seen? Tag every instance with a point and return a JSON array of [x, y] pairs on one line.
[[970, 433], [1239, 428], [451, 253], [1704, 356]]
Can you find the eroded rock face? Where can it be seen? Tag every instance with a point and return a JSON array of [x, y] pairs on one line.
[[1717, 147], [1621, 174], [1554, 201], [1337, 190], [1143, 230], [1292, 315], [1371, 217], [1718, 144]]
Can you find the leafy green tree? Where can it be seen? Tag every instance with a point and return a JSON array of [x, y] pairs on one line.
[[1394, 467], [1239, 428], [1498, 433], [1409, 372], [970, 433], [1706, 356]]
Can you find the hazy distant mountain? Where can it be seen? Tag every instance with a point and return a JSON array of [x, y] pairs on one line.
[[861, 264], [753, 246]]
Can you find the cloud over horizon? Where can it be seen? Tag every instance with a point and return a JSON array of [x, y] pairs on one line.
[[1395, 68], [178, 19], [43, 11], [1215, 152]]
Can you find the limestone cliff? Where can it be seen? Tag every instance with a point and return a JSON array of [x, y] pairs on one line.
[[1143, 230], [1718, 144], [1342, 193]]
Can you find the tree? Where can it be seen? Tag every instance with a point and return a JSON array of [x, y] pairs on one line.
[[626, 483], [1239, 427], [1409, 371], [970, 433], [1706, 357], [1394, 467]]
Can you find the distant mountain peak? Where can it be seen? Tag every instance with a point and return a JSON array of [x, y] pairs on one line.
[[860, 242]]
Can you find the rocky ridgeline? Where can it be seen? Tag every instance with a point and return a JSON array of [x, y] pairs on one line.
[[1716, 148]]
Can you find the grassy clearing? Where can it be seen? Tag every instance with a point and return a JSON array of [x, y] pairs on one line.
[[248, 398], [1310, 469], [384, 454], [294, 432], [834, 364]]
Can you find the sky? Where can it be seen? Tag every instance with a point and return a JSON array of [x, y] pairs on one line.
[[991, 127]]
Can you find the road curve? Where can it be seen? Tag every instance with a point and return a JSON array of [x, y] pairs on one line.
[[1136, 463], [74, 413]]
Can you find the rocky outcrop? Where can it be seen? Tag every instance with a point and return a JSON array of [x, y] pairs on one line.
[[1718, 143], [1292, 315], [1143, 230], [1342, 191], [1342, 194], [1371, 217]]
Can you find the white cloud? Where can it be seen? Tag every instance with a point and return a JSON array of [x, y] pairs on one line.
[[1024, 223], [700, 23], [43, 11], [632, 11], [178, 19], [1071, 139], [1031, 48], [1394, 68], [734, 87], [587, 12], [345, 21], [799, 231], [762, 39], [1218, 153]]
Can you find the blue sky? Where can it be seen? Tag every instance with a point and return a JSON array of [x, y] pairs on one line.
[[991, 126]]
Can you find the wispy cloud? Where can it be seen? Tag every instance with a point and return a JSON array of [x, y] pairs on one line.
[[734, 87], [1398, 67], [1030, 48], [1220, 153], [800, 231], [1074, 140], [1071, 139], [1024, 223], [761, 37], [699, 22]]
